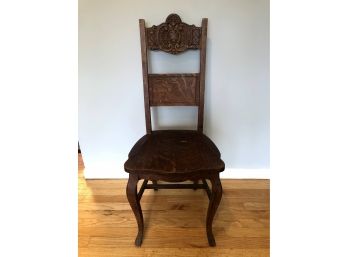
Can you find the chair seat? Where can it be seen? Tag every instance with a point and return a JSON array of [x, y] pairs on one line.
[[174, 152]]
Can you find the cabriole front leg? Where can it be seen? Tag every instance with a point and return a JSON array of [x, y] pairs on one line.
[[135, 204], [213, 205]]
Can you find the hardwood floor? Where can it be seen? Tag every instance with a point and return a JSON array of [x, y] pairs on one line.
[[174, 220]]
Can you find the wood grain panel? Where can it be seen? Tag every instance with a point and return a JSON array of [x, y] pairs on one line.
[[173, 89]]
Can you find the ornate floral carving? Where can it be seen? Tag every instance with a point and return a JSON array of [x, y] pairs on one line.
[[173, 36]]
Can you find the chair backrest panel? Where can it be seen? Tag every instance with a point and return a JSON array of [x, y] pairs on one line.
[[185, 89], [173, 36], [174, 89]]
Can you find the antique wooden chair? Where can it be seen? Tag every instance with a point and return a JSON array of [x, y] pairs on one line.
[[174, 155]]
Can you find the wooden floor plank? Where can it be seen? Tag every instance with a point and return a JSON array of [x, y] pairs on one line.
[[174, 220], [174, 252]]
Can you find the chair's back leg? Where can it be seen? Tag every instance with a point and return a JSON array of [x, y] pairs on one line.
[[154, 182], [195, 183], [134, 202], [213, 205]]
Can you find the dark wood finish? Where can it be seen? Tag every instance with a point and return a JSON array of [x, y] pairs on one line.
[[142, 189], [154, 182], [145, 76], [213, 205], [174, 152], [156, 186], [202, 74], [195, 183], [194, 186], [173, 89], [173, 36], [176, 186], [134, 202], [174, 155], [207, 188]]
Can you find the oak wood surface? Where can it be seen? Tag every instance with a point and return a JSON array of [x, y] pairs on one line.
[[173, 152], [174, 220], [202, 61], [144, 62], [174, 156], [174, 89], [174, 37]]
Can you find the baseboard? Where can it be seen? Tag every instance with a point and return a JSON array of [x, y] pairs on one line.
[[232, 173], [105, 173], [229, 173]]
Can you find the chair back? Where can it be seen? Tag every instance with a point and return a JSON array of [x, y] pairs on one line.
[[179, 89]]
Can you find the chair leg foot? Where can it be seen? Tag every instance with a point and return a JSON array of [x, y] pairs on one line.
[[213, 205], [195, 183], [211, 240], [135, 205], [139, 240], [154, 182]]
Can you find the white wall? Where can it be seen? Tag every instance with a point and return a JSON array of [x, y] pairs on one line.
[[111, 110]]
